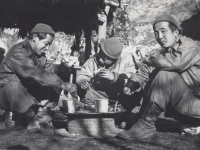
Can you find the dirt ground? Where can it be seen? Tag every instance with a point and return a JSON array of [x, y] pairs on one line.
[[168, 138]]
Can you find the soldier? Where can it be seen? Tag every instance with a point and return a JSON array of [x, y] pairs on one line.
[[173, 80], [26, 77]]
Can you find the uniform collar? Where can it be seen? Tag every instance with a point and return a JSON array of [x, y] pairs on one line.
[[176, 45], [28, 47]]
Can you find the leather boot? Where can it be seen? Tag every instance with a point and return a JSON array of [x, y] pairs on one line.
[[145, 127], [33, 125], [9, 123]]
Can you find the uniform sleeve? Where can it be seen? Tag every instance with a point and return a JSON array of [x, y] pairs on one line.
[[129, 68], [25, 68], [140, 78], [87, 71], [61, 70], [179, 60]]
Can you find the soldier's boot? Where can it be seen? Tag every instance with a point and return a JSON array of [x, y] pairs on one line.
[[145, 127], [33, 125], [9, 123]]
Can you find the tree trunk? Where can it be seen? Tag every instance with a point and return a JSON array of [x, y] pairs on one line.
[[78, 37], [88, 33]]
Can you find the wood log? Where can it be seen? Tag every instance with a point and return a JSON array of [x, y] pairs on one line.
[[102, 28]]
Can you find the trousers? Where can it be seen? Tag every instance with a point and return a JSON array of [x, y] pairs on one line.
[[18, 97], [169, 91]]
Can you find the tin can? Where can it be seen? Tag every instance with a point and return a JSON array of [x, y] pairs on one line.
[[101, 105], [69, 106]]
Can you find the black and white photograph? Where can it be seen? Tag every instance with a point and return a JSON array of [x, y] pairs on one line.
[[99, 75]]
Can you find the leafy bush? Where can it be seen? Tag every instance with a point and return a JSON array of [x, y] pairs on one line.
[[135, 24]]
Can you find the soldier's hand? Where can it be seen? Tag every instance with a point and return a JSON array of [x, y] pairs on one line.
[[127, 91], [85, 84], [107, 74], [69, 87]]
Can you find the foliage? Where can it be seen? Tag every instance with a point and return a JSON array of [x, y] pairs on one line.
[[9, 40], [61, 47], [121, 26], [135, 24], [132, 24]]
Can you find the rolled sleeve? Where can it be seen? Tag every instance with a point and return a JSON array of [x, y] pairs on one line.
[[141, 77]]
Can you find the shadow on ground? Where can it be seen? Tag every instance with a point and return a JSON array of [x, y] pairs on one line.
[[167, 138]]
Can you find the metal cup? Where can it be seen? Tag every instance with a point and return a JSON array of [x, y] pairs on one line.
[[101, 105], [69, 106]]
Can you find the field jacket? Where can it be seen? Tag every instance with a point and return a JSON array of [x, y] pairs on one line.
[[21, 63], [184, 59], [122, 69]]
